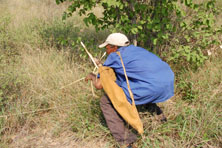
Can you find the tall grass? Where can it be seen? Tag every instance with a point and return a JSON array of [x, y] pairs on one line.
[[39, 75], [41, 57]]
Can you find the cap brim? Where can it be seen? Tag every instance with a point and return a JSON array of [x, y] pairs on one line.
[[103, 45]]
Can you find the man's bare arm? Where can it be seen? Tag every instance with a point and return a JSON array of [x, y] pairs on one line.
[[95, 80]]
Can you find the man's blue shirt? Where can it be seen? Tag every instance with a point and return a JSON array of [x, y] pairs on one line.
[[151, 79]]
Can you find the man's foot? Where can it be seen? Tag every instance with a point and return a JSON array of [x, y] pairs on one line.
[[161, 118], [131, 146], [128, 146], [153, 108]]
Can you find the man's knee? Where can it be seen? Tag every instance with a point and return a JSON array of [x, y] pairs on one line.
[[104, 101]]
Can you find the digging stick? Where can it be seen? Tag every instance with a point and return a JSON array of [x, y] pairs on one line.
[[91, 57]]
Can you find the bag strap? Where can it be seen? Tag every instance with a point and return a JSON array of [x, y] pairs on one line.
[[129, 89]]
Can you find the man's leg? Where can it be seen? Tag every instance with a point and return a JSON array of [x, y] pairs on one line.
[[115, 123]]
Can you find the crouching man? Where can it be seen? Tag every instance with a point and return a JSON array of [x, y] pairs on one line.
[[139, 71]]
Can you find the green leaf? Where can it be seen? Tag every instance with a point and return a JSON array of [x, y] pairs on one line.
[[155, 41], [64, 16], [188, 57], [142, 22], [140, 27], [134, 30], [59, 1], [187, 38]]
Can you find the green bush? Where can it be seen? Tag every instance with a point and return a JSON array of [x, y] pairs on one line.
[[196, 33], [11, 82], [7, 41], [4, 34], [8, 81], [66, 36], [180, 29], [58, 34]]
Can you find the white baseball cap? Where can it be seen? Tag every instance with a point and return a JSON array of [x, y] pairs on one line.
[[117, 39]]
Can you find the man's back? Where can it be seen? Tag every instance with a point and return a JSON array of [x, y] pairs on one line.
[[150, 78]]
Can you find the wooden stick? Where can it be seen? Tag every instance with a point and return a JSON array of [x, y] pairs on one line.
[[96, 66], [91, 57], [94, 70], [73, 83]]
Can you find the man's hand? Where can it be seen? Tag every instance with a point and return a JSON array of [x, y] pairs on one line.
[[96, 81], [90, 77], [98, 62]]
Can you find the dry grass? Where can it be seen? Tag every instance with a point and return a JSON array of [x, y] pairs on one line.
[[24, 11], [45, 74]]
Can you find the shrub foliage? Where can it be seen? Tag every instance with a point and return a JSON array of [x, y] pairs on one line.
[[182, 29]]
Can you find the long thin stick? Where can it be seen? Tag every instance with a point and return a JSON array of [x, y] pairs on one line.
[[91, 57], [73, 83], [103, 55], [96, 66], [100, 60]]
